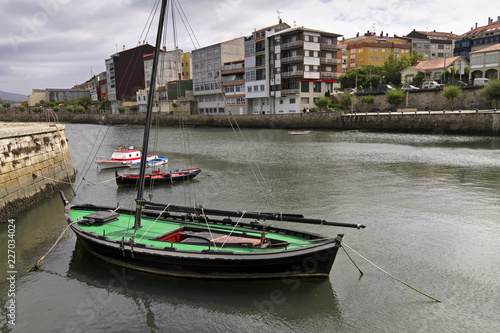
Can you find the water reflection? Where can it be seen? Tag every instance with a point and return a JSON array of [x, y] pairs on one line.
[[255, 304]]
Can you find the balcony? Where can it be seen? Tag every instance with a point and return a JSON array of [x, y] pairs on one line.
[[291, 45], [332, 61], [287, 60], [331, 47], [330, 75], [232, 68], [287, 75], [290, 92]]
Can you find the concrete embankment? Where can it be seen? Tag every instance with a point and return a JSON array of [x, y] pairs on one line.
[[34, 162], [481, 122]]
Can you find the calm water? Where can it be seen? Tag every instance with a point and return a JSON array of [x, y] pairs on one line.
[[430, 203]]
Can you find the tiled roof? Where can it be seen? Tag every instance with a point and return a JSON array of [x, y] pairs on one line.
[[495, 47], [438, 34], [429, 65], [493, 26]]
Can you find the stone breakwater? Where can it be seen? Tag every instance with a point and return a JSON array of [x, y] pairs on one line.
[[34, 162]]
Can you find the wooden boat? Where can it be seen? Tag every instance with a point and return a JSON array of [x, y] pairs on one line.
[[199, 242], [157, 177], [299, 132], [121, 158]]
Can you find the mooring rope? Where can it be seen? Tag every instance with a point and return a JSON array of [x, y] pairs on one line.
[[392, 276], [37, 264]]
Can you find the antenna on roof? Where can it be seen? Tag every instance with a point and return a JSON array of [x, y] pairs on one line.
[[279, 15]]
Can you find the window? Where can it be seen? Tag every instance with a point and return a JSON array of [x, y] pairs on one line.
[[281, 100], [292, 100], [317, 87], [304, 86], [262, 87], [329, 86], [491, 58], [249, 89], [304, 100]]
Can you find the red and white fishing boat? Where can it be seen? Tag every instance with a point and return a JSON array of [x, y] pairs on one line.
[[122, 158]]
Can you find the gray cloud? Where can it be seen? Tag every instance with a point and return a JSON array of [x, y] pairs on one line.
[[55, 43]]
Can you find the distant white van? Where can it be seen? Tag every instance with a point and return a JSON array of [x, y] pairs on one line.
[[481, 81]]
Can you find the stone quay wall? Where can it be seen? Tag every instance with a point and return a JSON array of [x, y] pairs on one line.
[[467, 122], [34, 162], [422, 99]]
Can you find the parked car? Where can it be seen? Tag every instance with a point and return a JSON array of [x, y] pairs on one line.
[[409, 87], [432, 85], [385, 87], [481, 81], [457, 83], [350, 90]]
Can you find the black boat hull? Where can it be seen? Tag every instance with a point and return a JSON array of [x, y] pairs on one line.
[[163, 179], [314, 262]]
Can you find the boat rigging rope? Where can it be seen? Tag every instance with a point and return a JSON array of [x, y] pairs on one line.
[[36, 266], [387, 273], [95, 154], [208, 226], [259, 178], [231, 232], [144, 234]]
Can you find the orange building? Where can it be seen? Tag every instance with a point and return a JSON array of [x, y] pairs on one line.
[[374, 50]]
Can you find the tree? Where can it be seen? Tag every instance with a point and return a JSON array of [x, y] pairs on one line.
[[394, 97], [322, 103], [419, 79], [451, 93], [345, 100], [492, 91], [367, 99]]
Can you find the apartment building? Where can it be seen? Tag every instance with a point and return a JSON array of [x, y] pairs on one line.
[[478, 38], [257, 68], [432, 44], [373, 50], [304, 65], [169, 69], [125, 74], [206, 68]]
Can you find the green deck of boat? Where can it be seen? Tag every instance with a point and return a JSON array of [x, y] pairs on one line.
[[123, 229]]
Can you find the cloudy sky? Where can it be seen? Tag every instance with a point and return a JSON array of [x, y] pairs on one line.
[[57, 43]]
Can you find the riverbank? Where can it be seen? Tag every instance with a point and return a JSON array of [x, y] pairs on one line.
[[475, 122]]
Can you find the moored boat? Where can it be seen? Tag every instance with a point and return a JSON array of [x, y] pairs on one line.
[[157, 177], [121, 158], [161, 160], [299, 132]]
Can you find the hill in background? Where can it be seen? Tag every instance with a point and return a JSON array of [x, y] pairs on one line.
[[6, 96]]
